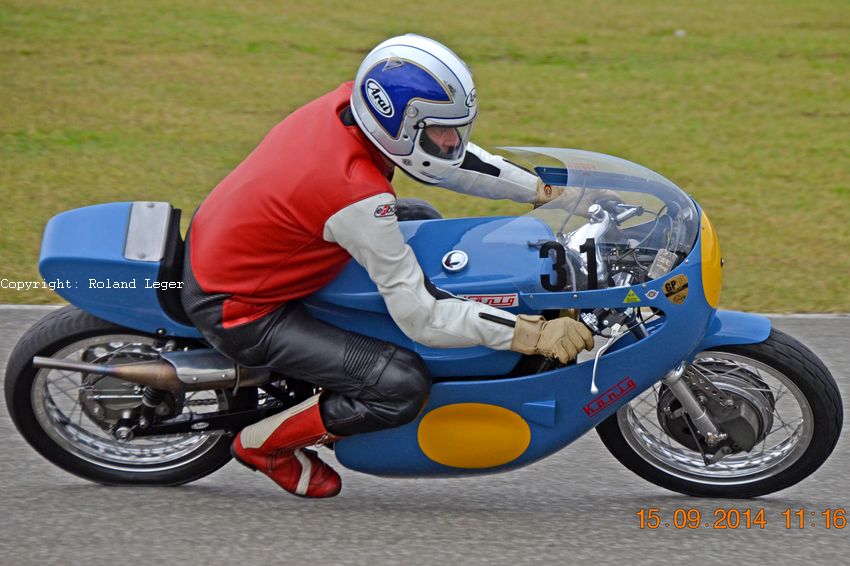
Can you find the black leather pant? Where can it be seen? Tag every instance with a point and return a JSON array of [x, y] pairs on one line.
[[369, 384]]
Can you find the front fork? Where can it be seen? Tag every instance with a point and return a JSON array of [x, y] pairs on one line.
[[679, 380], [699, 416]]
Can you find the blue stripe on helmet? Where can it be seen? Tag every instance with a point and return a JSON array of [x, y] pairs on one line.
[[400, 83]]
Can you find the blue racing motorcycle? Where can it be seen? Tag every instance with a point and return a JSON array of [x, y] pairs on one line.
[[119, 388]]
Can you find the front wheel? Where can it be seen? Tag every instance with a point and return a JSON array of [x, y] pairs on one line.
[[799, 414]]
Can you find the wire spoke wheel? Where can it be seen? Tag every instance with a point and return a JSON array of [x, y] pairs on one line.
[[795, 410], [779, 448], [60, 399], [73, 419]]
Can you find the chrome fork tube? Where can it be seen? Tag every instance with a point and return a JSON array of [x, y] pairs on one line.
[[700, 417]]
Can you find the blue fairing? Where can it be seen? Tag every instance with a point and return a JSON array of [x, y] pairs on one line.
[[85, 247]]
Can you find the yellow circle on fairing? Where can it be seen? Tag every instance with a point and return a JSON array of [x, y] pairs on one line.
[[473, 435], [712, 271]]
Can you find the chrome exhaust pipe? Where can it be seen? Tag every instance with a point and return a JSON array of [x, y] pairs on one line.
[[158, 374], [192, 370]]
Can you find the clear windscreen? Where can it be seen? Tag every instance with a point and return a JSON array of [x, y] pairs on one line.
[[618, 223]]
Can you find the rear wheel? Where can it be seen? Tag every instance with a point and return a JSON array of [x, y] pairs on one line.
[[72, 419], [792, 403]]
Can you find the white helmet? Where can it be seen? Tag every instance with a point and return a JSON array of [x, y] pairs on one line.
[[414, 99]]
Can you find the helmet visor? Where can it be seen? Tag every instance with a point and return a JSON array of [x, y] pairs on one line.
[[445, 142]]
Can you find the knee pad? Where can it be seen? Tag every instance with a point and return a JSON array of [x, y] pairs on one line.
[[403, 388]]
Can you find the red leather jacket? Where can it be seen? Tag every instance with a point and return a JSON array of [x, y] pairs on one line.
[[258, 235]]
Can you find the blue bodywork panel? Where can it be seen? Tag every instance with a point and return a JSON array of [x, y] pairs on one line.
[[85, 246], [396, 452]]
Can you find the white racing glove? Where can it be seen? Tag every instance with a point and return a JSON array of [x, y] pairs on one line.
[[561, 338]]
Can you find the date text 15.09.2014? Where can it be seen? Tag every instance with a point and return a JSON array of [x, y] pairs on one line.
[[745, 518]]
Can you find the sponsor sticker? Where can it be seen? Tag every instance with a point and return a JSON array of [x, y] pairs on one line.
[[631, 297], [385, 210], [609, 397], [651, 294], [504, 301], [471, 98], [378, 98], [676, 289]]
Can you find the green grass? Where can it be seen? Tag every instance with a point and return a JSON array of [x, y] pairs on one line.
[[748, 109]]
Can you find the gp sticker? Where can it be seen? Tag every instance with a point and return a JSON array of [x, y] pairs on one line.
[[676, 289]]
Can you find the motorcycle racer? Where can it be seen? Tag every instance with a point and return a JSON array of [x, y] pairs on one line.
[[315, 193]]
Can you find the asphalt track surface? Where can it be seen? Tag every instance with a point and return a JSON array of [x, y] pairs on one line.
[[577, 507]]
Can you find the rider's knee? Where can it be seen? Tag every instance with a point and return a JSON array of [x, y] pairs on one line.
[[404, 386]]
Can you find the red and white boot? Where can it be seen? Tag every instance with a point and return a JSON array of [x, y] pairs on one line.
[[275, 445]]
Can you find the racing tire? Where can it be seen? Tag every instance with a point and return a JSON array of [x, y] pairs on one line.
[[811, 439], [84, 449]]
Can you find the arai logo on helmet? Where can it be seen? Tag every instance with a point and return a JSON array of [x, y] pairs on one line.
[[378, 98], [454, 261]]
